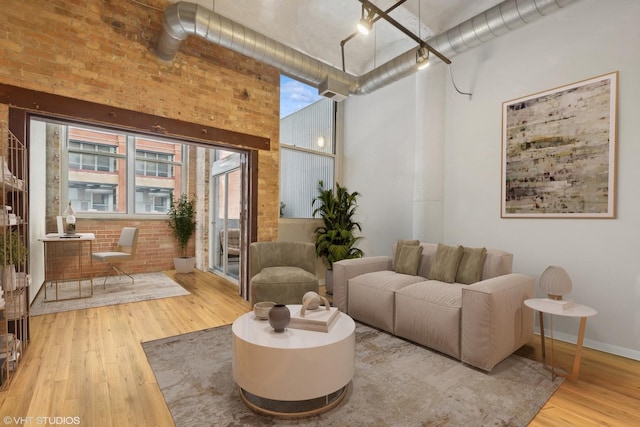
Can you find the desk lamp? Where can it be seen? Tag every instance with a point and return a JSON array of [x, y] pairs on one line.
[[70, 219], [555, 282]]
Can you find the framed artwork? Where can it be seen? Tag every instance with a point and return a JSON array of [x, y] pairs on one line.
[[559, 152]]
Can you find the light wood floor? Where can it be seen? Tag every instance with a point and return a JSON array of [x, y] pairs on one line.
[[90, 364]]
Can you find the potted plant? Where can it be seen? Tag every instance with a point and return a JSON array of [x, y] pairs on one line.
[[336, 239], [182, 221], [13, 252]]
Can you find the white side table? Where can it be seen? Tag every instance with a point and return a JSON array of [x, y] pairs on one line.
[[542, 305]]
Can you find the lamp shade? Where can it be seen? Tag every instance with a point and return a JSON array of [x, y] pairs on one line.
[[555, 282]]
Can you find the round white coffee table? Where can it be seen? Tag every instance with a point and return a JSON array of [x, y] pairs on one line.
[[296, 372]]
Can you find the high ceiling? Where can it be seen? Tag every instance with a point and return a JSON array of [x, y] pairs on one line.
[[316, 27]]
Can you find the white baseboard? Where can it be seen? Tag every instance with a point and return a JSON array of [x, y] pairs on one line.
[[595, 345]]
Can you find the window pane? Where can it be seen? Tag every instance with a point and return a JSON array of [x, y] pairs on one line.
[[157, 174], [299, 177], [310, 128], [98, 164], [307, 127], [97, 183]]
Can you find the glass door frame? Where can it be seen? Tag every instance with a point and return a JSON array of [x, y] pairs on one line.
[[222, 169]]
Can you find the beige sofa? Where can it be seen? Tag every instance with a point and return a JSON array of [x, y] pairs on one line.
[[480, 324]]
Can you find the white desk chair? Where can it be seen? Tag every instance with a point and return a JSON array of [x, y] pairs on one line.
[[125, 251]]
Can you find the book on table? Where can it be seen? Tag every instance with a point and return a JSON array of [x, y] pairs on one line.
[[319, 320]]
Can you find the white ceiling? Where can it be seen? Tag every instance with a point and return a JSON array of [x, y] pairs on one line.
[[316, 27]]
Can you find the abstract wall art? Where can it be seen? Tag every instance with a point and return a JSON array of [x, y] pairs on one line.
[[559, 151]]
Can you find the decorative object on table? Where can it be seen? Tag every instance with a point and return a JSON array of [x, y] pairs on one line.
[[311, 301], [182, 220], [559, 151], [70, 218], [313, 320], [335, 239], [279, 317], [556, 283], [261, 309]]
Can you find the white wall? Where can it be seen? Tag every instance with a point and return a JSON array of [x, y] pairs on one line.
[[378, 163], [37, 204], [586, 39]]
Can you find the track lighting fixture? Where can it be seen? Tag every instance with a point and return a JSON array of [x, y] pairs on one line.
[[366, 20], [422, 57]]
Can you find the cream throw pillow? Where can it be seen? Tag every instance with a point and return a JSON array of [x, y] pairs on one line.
[[471, 265], [399, 246], [445, 265], [409, 260]]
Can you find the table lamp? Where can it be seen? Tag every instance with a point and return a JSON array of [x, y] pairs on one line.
[[70, 219], [555, 282]]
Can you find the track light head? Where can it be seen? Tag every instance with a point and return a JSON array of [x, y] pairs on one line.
[[364, 26], [422, 57], [366, 20]]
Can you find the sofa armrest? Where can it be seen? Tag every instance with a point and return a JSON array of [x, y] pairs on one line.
[[495, 321], [350, 268]]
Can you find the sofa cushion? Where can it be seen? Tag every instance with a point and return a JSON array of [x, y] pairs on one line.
[[429, 313], [399, 245], [372, 297], [287, 275], [445, 265], [283, 285], [409, 260], [471, 264]]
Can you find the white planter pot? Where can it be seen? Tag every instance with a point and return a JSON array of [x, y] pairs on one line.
[[184, 265], [328, 282], [8, 277]]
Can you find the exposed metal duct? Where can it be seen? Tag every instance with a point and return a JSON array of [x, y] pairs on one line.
[[183, 19]]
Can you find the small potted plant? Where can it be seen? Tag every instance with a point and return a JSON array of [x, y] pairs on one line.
[[336, 239], [182, 221], [13, 252]]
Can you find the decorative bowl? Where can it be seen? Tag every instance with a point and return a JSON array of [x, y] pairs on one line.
[[261, 309]]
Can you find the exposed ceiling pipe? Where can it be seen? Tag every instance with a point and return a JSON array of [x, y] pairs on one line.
[[184, 19]]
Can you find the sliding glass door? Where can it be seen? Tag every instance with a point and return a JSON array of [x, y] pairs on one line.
[[227, 214]]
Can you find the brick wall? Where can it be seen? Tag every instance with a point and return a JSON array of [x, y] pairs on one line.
[[102, 51], [155, 250]]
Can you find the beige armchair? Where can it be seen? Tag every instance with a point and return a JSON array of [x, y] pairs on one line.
[[281, 272]]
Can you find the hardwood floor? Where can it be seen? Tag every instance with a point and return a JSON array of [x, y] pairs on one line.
[[90, 364]]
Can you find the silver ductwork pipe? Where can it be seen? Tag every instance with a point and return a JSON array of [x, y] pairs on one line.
[[183, 19]]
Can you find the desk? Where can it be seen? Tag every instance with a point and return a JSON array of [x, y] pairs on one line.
[[53, 245], [542, 305]]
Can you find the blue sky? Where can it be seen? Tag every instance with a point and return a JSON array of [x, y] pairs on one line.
[[295, 95]]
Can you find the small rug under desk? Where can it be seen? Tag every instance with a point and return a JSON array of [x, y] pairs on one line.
[[396, 383], [118, 290]]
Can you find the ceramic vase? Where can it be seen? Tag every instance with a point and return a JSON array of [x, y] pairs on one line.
[[279, 317]]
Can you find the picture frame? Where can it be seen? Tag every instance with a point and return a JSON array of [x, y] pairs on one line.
[[559, 151]]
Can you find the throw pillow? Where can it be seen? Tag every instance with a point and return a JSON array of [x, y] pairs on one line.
[[445, 265], [399, 246], [409, 260], [471, 265]]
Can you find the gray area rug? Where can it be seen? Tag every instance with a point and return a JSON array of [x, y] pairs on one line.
[[147, 286], [396, 383]]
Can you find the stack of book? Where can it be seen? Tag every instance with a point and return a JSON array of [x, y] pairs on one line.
[[319, 320], [563, 304]]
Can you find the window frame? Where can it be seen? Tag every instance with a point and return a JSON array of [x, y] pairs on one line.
[[130, 166]]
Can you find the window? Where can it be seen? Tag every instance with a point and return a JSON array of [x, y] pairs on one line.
[[114, 172], [307, 147]]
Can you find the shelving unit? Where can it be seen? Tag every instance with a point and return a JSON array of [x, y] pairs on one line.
[[14, 263]]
